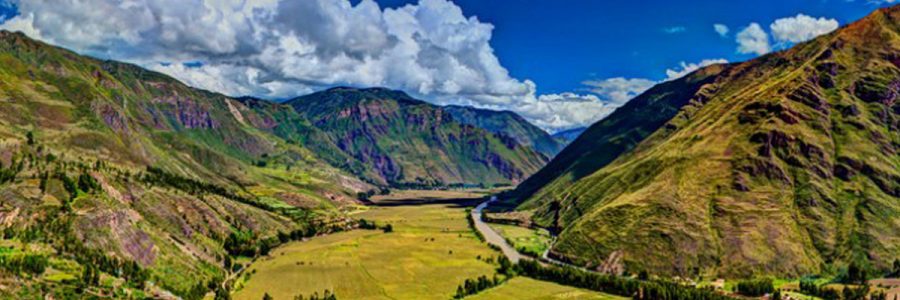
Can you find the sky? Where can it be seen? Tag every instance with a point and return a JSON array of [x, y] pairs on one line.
[[560, 64]]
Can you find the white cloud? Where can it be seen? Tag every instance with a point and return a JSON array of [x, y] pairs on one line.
[[753, 39], [801, 28], [23, 24], [687, 68], [619, 90], [721, 29], [557, 112]]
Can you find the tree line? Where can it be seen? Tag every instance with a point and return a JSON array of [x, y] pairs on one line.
[[475, 286], [372, 225], [471, 220], [622, 286], [858, 292], [755, 287]]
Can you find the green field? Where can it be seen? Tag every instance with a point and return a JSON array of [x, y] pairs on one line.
[[431, 251], [526, 240], [521, 288]]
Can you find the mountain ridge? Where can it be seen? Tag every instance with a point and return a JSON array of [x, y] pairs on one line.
[[403, 141], [507, 123]]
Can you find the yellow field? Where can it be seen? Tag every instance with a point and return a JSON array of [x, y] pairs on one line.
[[431, 251], [521, 288], [363, 264]]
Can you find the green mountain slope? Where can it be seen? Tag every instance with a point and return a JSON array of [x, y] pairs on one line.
[[401, 141], [786, 164], [507, 123], [105, 165], [619, 132]]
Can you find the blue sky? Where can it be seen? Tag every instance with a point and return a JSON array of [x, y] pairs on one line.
[[559, 44], [560, 64]]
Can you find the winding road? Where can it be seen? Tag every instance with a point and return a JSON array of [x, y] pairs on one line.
[[491, 236], [494, 238]]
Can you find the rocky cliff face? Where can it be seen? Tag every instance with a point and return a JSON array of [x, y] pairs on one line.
[[401, 141], [786, 164], [509, 124]]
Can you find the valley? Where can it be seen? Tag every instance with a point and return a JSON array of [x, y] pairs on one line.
[[773, 176], [429, 252]]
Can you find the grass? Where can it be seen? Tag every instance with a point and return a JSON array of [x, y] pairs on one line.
[[526, 240], [529, 289], [429, 253]]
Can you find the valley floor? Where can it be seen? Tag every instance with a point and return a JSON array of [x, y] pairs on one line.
[[524, 288], [430, 252]]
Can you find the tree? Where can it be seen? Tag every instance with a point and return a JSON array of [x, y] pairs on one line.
[[87, 183], [264, 248], [643, 275], [859, 293], [267, 297], [222, 294], [362, 196], [388, 228], [755, 288], [855, 274], [29, 137], [895, 272]]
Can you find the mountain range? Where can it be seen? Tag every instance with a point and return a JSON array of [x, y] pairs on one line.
[[108, 164], [393, 139]]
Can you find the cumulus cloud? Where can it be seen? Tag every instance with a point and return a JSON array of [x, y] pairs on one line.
[[619, 90], [721, 29], [278, 49], [801, 28], [687, 68], [753, 39], [557, 112]]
